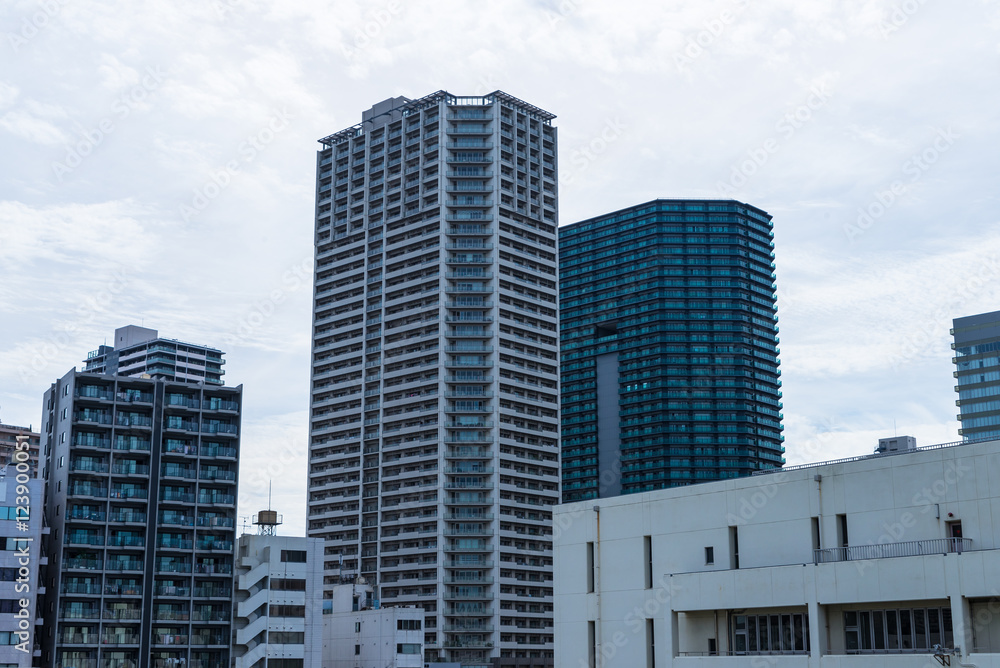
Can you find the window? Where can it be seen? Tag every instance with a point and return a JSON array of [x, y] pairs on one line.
[[286, 638], [817, 542], [590, 568], [770, 634], [881, 631], [650, 645], [734, 547], [842, 531], [591, 643], [408, 648], [279, 584], [288, 611], [955, 534], [647, 560], [709, 556], [294, 556], [408, 624], [357, 627]]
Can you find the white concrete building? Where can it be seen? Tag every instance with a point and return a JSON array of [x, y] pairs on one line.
[[434, 426], [356, 634], [867, 562], [279, 602]]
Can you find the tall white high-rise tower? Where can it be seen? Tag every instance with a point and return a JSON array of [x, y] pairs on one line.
[[434, 442]]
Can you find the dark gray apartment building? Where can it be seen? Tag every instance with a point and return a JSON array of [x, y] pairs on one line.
[[142, 488]]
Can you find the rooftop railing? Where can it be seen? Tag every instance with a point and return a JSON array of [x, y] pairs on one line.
[[912, 548]]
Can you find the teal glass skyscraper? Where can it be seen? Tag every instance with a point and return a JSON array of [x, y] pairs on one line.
[[977, 373], [669, 343]]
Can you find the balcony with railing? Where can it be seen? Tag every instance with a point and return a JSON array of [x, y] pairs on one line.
[[123, 565], [912, 548], [133, 420], [89, 440]]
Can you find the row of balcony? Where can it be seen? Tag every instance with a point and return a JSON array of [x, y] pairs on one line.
[[171, 423], [88, 564], [114, 639], [127, 614], [131, 444], [135, 589]]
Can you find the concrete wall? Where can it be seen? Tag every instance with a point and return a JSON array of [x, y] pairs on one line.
[[259, 564], [375, 634], [891, 501]]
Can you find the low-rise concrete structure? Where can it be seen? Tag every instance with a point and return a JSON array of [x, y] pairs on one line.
[[279, 593], [9, 434], [858, 563], [357, 633]]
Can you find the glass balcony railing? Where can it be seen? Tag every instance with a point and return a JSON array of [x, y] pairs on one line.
[[92, 416], [88, 465], [179, 497], [172, 590], [227, 499], [173, 567], [226, 545], [175, 543], [124, 565], [129, 493], [217, 451], [91, 441]]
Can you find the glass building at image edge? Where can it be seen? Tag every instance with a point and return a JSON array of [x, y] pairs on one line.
[[669, 347]]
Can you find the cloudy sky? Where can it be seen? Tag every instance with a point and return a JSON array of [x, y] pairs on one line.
[[158, 168]]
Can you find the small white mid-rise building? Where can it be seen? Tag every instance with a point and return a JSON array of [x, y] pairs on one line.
[[861, 563], [279, 602], [357, 633]]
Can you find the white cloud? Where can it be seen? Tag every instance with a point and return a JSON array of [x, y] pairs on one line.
[[850, 309], [29, 127]]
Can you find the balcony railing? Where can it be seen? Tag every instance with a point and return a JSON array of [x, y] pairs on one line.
[[912, 548], [776, 652]]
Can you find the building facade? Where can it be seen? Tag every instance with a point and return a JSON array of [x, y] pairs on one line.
[[977, 374], [142, 504], [857, 563], [279, 597], [22, 562], [669, 347], [8, 445], [357, 633], [434, 405], [140, 350]]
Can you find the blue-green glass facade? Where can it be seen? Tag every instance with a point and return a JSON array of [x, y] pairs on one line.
[[669, 347], [977, 373]]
